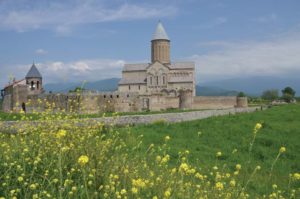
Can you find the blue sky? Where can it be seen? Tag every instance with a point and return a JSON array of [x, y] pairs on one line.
[[91, 40]]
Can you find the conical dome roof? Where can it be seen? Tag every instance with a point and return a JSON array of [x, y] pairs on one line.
[[160, 32], [33, 72]]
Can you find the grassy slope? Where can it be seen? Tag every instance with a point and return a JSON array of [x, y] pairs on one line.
[[281, 127]]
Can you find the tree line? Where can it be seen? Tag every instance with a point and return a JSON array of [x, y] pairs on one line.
[[288, 94]]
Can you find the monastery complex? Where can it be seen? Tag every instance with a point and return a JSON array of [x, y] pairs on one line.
[[159, 85]]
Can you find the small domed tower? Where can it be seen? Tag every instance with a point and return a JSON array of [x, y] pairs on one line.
[[34, 81], [160, 45]]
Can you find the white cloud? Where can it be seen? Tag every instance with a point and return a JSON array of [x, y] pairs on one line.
[[267, 18], [277, 57], [213, 23], [62, 15], [41, 52], [59, 71], [91, 70]]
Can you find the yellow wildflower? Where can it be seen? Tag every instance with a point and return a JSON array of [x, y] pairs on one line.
[[165, 159], [258, 126], [167, 138], [61, 133], [219, 154], [282, 150], [32, 187], [123, 191], [82, 160], [232, 183], [296, 176], [219, 186], [167, 193], [158, 158], [134, 190], [20, 179], [238, 167], [184, 167], [139, 183]]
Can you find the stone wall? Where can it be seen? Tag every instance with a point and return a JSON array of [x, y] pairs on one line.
[[218, 102], [137, 119], [242, 102], [20, 93], [7, 103], [172, 117], [15, 96], [99, 102], [159, 102], [86, 102]]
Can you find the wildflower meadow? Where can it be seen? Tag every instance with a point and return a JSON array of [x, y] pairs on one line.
[[64, 157]]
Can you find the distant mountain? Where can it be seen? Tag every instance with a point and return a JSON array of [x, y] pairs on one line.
[[112, 85], [256, 85], [231, 87], [60, 87], [101, 85], [214, 91]]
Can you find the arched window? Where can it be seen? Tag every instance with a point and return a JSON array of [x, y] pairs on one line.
[[129, 87], [164, 80], [37, 84], [150, 80], [156, 80], [32, 85]]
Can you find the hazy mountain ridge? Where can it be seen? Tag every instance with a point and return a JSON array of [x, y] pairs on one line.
[[101, 85], [230, 87], [256, 85]]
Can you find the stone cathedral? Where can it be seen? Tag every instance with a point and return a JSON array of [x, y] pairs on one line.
[[161, 75], [154, 86]]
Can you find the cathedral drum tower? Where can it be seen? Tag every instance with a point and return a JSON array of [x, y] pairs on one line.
[[160, 45]]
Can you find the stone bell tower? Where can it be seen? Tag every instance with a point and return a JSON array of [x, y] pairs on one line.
[[34, 81], [160, 45]]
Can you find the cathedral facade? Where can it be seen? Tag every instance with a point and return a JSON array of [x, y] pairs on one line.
[[161, 75]]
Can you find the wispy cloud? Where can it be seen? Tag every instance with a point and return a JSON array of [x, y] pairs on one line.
[[60, 71], [277, 57], [62, 15], [213, 22], [91, 70], [41, 51], [267, 18]]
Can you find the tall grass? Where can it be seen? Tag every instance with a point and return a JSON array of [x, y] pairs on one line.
[[71, 159]]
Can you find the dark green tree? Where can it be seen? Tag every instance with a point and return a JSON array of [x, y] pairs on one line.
[[288, 94], [241, 94], [271, 94], [288, 90]]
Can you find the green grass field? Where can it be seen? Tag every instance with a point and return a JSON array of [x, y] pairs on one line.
[[155, 161], [204, 138]]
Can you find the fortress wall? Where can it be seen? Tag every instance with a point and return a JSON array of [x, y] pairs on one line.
[[86, 102], [19, 96], [159, 102], [218, 102], [141, 88], [7, 103], [242, 102]]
